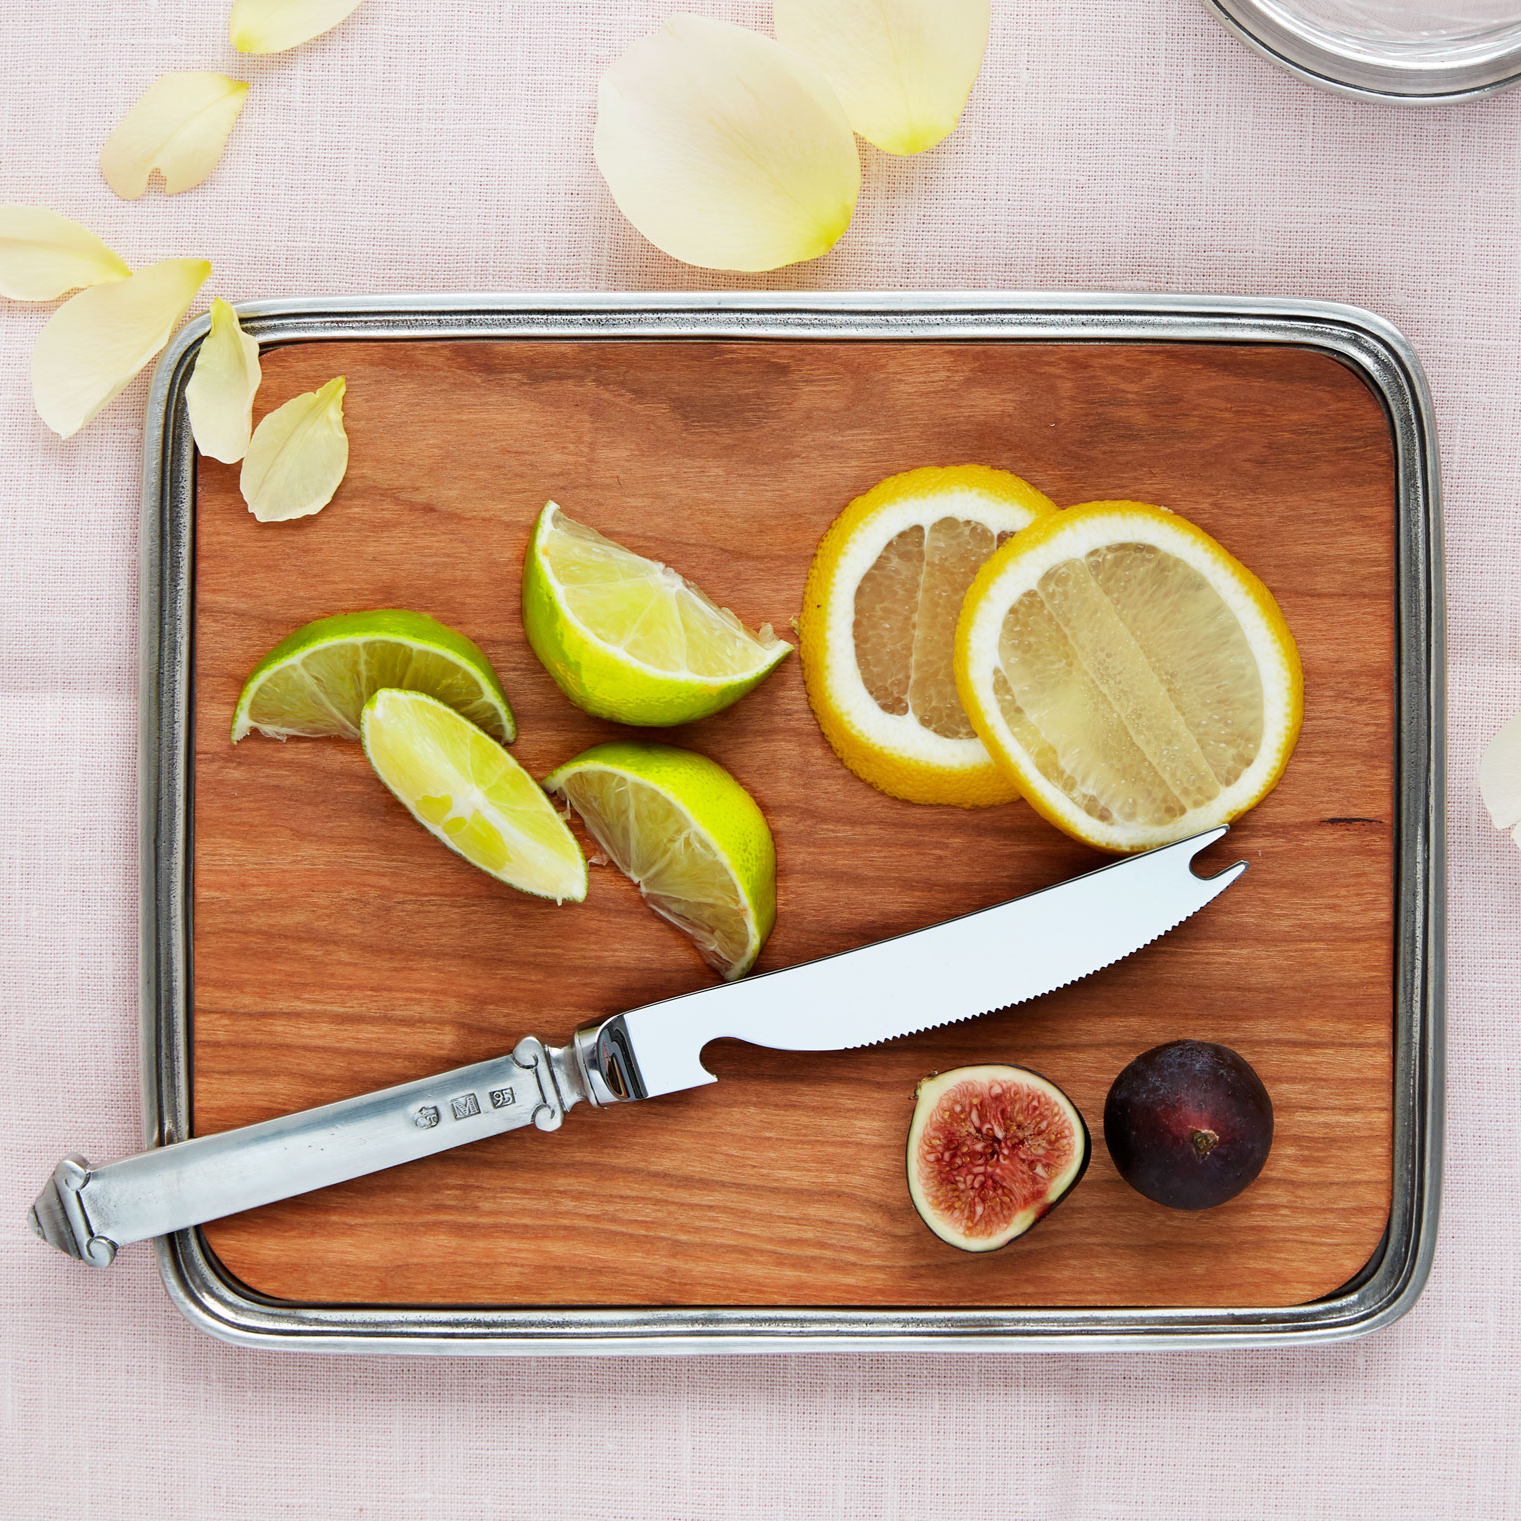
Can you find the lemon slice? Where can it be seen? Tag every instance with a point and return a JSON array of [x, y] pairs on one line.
[[1137, 682], [628, 638], [878, 626], [689, 835], [317, 680], [467, 790]]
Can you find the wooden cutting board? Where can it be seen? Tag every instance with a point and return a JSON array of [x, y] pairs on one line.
[[338, 947]]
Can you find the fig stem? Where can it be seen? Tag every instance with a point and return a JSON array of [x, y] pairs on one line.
[[1204, 1142]]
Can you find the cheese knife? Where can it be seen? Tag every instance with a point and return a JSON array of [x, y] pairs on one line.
[[957, 970]]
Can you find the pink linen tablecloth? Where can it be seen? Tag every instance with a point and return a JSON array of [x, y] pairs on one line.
[[447, 146]]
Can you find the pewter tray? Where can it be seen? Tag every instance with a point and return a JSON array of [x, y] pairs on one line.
[[1392, 1279]]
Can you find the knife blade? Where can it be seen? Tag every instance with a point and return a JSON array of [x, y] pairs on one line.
[[956, 970], [953, 971]]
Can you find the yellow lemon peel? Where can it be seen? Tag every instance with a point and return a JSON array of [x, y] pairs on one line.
[[44, 255], [725, 149], [220, 393], [91, 347], [297, 456], [272, 26], [903, 69], [178, 127]]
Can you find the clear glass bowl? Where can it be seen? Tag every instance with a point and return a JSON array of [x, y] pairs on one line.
[[1411, 50]]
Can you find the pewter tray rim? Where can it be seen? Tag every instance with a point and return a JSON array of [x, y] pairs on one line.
[[1374, 348]]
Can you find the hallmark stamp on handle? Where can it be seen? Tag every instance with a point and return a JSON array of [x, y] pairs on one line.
[[466, 1105]]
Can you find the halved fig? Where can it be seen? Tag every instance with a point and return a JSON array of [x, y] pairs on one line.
[[991, 1150]]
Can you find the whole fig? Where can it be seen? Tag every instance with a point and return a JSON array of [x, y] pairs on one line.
[[1188, 1124]]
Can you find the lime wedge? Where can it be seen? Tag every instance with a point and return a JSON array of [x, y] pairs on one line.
[[689, 835], [468, 791], [628, 638], [317, 680]]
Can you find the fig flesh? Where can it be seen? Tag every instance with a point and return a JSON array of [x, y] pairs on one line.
[[1188, 1124], [991, 1150]]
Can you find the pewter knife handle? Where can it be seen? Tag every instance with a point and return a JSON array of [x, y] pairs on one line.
[[89, 1212]]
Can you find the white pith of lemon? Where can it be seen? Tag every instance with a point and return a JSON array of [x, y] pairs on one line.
[[693, 839], [878, 623], [316, 681], [629, 639], [1137, 682], [467, 791]]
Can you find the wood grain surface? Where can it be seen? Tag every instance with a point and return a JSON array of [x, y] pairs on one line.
[[338, 947]]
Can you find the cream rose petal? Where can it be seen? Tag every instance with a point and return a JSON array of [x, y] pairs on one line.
[[271, 26], [725, 149], [91, 347], [297, 457], [220, 393], [902, 68], [179, 126], [1500, 778], [42, 255]]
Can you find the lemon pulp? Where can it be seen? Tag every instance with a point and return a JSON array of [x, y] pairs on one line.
[[905, 620], [1133, 684]]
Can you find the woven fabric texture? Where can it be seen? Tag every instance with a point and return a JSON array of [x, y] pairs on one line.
[[447, 146]]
